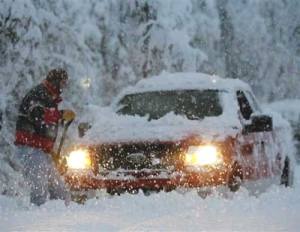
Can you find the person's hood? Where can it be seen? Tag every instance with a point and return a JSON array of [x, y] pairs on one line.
[[53, 91]]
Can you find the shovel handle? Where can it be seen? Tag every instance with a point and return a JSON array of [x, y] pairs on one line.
[[66, 126]]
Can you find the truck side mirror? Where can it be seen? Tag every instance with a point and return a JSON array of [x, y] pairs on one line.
[[83, 127], [259, 123]]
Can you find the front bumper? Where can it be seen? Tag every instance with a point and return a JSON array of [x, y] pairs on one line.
[[146, 179]]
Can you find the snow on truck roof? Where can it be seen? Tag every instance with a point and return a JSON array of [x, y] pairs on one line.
[[174, 81]]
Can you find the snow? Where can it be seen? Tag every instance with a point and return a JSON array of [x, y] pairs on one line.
[[108, 127], [288, 108], [186, 80], [107, 45], [113, 44], [273, 209]]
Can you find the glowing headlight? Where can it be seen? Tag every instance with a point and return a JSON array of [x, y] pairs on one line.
[[202, 155], [79, 159]]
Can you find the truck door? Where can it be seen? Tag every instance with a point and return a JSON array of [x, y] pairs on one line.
[[248, 143], [265, 144]]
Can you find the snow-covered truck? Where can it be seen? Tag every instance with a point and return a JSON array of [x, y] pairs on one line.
[[180, 130]]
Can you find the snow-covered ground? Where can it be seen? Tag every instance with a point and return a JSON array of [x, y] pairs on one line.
[[277, 209]]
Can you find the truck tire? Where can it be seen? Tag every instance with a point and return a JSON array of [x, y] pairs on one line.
[[286, 178], [235, 178]]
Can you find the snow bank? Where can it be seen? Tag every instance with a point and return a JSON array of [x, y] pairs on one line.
[[274, 209], [288, 108]]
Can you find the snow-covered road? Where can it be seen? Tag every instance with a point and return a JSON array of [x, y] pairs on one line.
[[277, 209]]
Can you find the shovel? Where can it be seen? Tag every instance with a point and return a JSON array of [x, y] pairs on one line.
[[56, 156]]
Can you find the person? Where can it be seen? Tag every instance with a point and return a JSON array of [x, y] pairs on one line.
[[36, 132]]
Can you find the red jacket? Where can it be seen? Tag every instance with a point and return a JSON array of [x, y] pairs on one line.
[[38, 118]]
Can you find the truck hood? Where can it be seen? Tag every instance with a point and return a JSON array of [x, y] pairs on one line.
[[113, 128]]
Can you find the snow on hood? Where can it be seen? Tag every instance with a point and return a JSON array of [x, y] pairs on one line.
[[109, 127]]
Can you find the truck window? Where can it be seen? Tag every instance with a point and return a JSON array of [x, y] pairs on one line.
[[253, 103], [244, 105]]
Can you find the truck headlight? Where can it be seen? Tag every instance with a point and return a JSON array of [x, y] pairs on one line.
[[202, 156], [79, 159]]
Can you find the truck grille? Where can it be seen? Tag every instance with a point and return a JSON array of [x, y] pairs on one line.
[[138, 156]]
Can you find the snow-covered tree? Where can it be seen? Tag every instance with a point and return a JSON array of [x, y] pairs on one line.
[[106, 45]]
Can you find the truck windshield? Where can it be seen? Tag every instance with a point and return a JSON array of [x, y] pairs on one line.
[[194, 104]]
